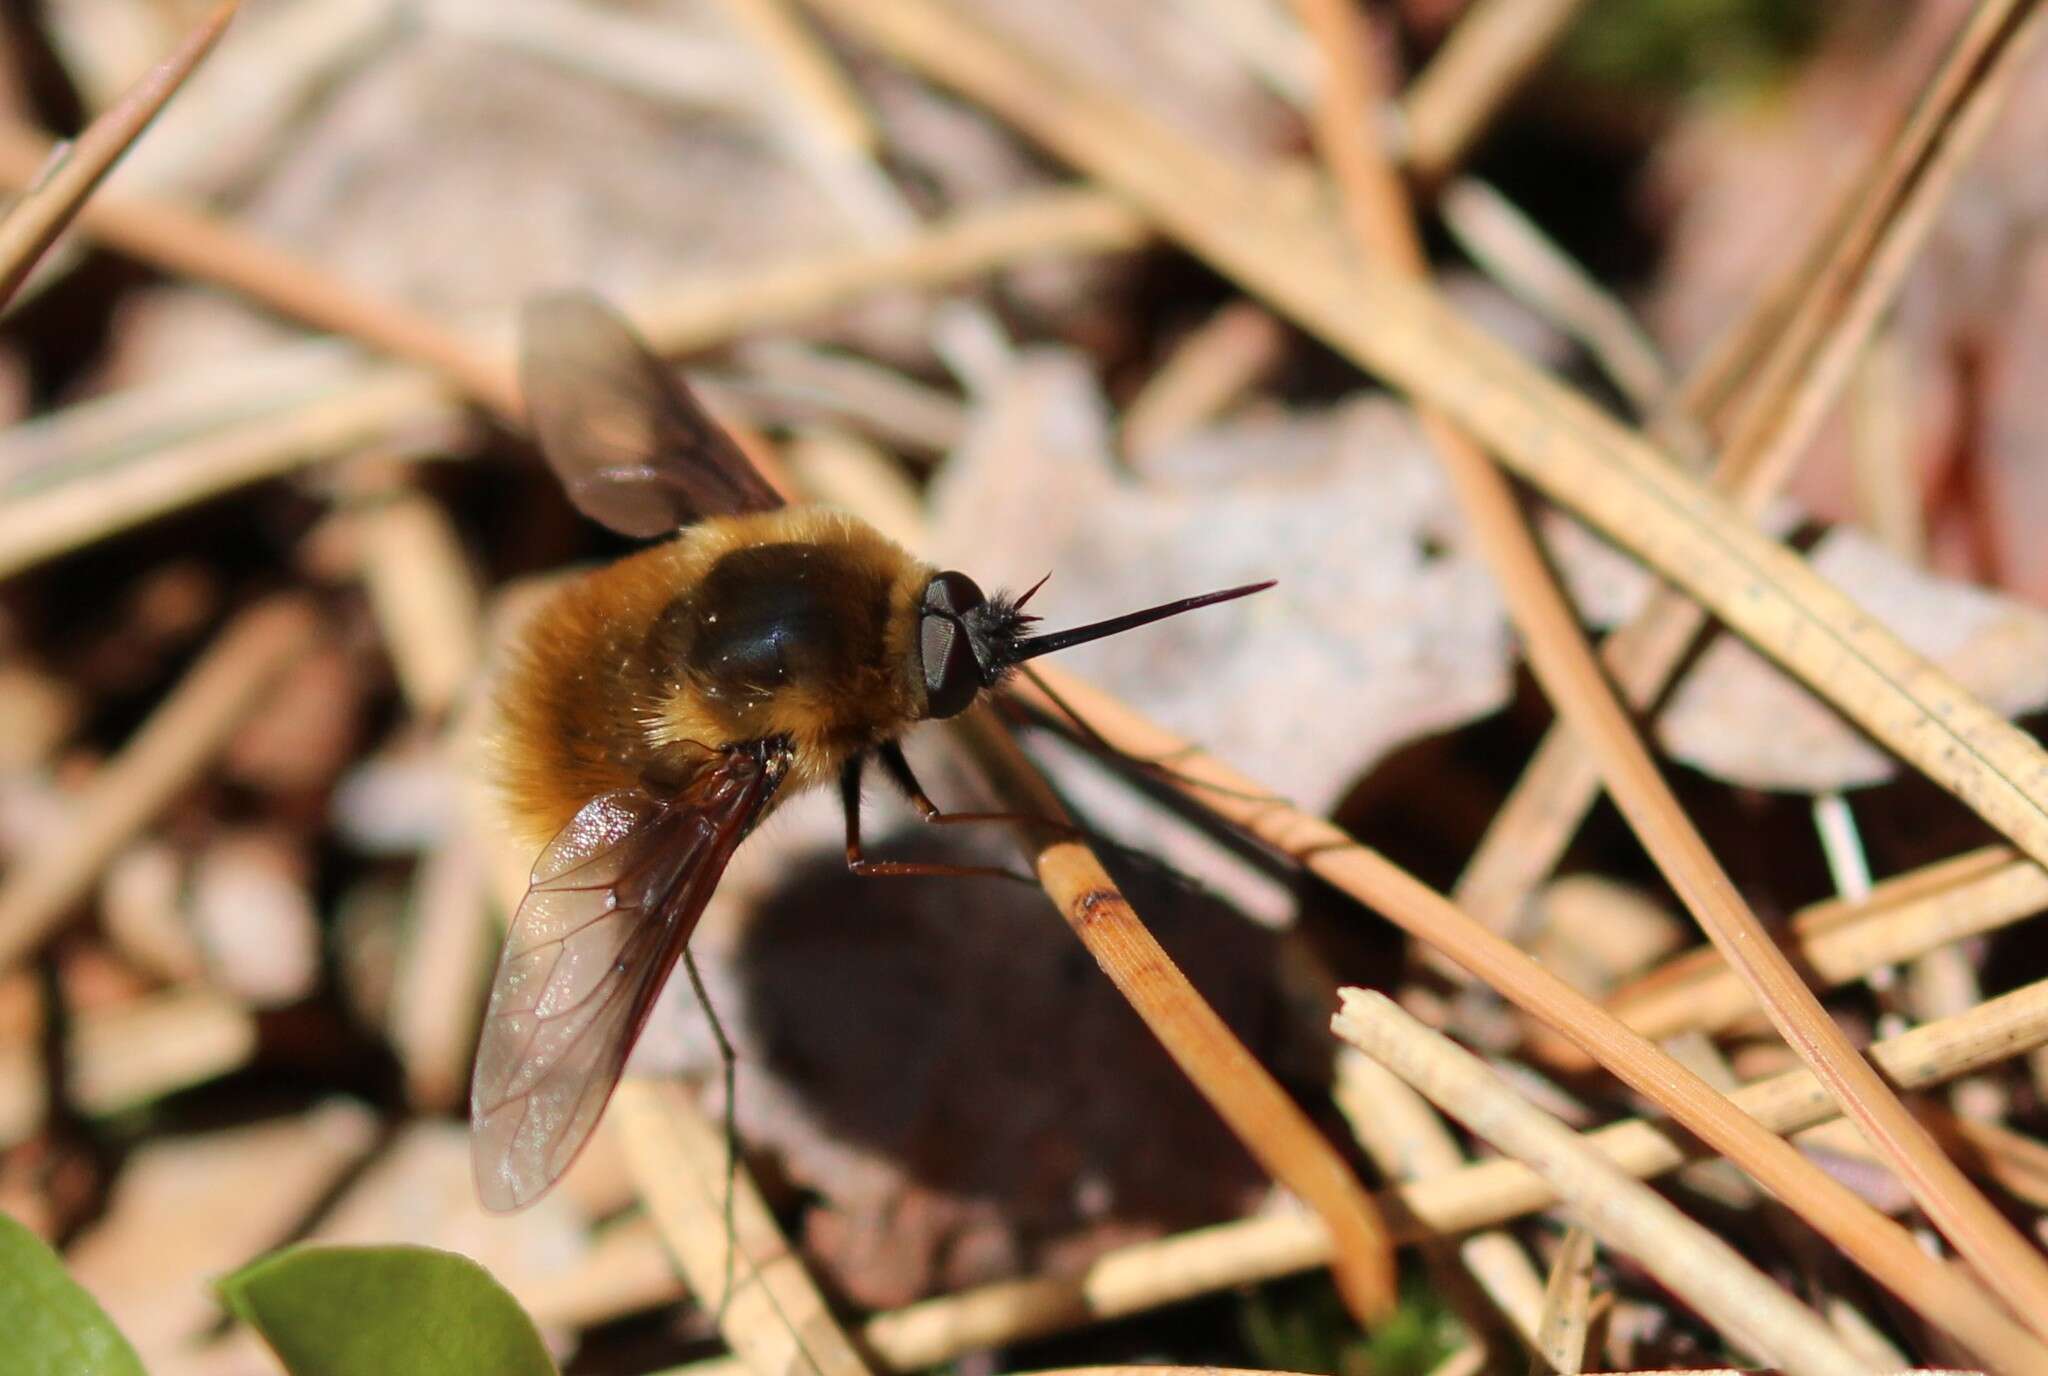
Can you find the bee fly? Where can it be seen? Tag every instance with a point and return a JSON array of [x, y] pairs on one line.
[[654, 711]]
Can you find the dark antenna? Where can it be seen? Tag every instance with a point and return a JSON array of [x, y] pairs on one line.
[[1033, 646]]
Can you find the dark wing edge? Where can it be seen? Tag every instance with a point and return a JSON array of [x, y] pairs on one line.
[[630, 442], [614, 898]]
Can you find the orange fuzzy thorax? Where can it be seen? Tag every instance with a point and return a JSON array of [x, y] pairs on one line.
[[601, 692]]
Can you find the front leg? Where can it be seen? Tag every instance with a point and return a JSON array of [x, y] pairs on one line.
[[891, 755], [857, 861]]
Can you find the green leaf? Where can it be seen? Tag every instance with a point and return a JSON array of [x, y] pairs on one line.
[[372, 1311], [52, 1327]]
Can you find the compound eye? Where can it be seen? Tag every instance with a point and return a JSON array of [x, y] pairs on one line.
[[951, 594], [951, 677]]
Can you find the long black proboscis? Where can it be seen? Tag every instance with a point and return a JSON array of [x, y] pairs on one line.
[[1033, 646]]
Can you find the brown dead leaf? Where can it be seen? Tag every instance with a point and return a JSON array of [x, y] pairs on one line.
[[398, 168]]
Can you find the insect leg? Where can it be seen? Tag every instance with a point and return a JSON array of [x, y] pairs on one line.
[[729, 1062], [891, 755], [899, 770], [857, 861]]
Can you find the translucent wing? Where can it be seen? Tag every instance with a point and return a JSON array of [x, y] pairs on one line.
[[628, 440], [614, 898]]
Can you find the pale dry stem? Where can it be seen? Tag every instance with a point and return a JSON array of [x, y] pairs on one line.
[[1869, 1239], [1147, 1275], [93, 501], [1806, 344], [1493, 49], [774, 1318], [1744, 1305], [1374, 202], [53, 195]]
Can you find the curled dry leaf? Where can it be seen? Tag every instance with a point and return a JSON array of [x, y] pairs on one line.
[[1736, 717]]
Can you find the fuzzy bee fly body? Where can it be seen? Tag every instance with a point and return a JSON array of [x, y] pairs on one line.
[[655, 710]]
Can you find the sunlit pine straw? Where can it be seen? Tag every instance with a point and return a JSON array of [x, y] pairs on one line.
[[1147, 1275], [1872, 1241], [1579, 455], [1374, 204], [1407, 1140], [1789, 353], [773, 1317], [196, 244], [60, 182], [1481, 64], [1568, 1305], [1301, 1158], [1838, 941], [128, 1055], [1744, 1306], [385, 402]]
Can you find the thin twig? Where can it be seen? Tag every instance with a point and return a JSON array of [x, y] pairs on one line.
[[1170, 1270], [1567, 1307], [813, 80], [94, 504], [1625, 486], [1578, 454], [1873, 1242], [1887, 486], [385, 402], [129, 1054], [1213, 366], [1880, 233], [1483, 62], [1839, 940], [55, 194], [1043, 224], [439, 981], [422, 595], [1515, 253], [1690, 1260], [1408, 1141], [1374, 203]]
